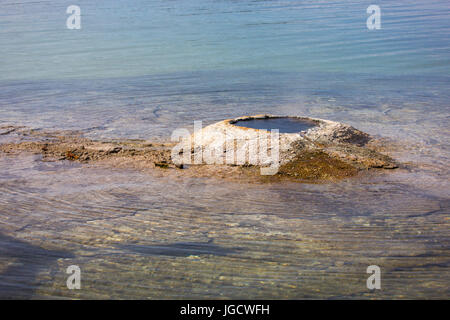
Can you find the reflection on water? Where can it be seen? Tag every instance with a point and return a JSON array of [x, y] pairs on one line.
[[180, 249], [283, 125], [21, 262]]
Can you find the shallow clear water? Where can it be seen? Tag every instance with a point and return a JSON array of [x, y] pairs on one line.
[[283, 125], [144, 69]]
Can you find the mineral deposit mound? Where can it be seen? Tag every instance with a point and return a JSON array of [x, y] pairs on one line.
[[298, 147]]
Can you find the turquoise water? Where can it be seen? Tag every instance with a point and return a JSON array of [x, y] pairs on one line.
[[123, 38], [141, 69], [162, 64]]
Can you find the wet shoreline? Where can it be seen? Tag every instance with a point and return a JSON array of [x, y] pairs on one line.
[[164, 235]]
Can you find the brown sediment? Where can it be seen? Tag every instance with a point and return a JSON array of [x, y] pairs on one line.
[[314, 163], [317, 165]]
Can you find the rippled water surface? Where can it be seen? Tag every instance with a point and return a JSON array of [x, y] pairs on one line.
[[146, 68]]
